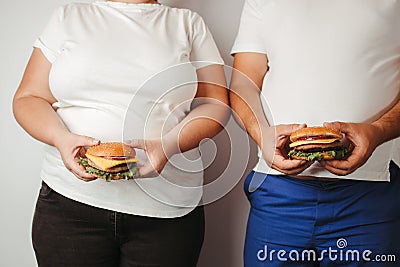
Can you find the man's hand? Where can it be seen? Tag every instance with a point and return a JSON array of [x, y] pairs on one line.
[[275, 149], [363, 137]]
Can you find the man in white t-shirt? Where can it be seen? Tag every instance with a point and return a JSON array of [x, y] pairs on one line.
[[320, 63]]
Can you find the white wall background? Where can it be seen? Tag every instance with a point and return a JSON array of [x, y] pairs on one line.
[[20, 23]]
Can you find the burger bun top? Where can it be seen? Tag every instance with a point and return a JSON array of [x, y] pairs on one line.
[[316, 131], [111, 149]]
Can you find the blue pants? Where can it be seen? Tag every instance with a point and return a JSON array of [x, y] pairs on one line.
[[294, 222]]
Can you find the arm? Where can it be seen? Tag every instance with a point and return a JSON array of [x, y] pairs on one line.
[[365, 138], [209, 113], [389, 124], [247, 80], [33, 110]]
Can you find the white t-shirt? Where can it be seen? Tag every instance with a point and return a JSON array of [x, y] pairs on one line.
[[329, 61], [122, 71]]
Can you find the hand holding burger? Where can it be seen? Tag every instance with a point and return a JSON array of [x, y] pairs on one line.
[[158, 152], [274, 147], [364, 138], [317, 143]]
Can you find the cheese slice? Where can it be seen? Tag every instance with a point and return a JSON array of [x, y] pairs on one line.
[[105, 164], [318, 141]]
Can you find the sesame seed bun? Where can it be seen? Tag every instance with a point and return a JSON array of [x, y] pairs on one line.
[[111, 149]]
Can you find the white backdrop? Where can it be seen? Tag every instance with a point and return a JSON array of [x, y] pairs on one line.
[[20, 23]]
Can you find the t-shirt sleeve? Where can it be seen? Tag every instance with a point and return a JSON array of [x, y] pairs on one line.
[[204, 49], [52, 38], [250, 37]]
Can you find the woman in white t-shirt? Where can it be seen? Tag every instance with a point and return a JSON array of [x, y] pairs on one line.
[[117, 71]]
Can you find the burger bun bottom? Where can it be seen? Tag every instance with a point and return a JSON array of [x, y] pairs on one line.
[[112, 177]]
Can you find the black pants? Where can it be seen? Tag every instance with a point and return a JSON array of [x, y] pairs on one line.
[[69, 233]]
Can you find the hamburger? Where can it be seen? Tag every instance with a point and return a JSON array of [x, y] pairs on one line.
[[111, 161], [317, 143]]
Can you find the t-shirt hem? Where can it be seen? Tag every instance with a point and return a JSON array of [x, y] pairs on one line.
[[205, 63], [248, 48], [180, 212], [361, 175]]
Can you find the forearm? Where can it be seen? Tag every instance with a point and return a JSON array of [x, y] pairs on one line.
[[389, 124], [204, 121], [246, 83], [248, 110], [39, 119]]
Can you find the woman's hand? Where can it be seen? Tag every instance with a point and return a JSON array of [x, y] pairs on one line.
[[275, 148], [70, 147], [363, 137], [157, 156]]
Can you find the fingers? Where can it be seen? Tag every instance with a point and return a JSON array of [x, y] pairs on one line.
[[278, 147], [295, 171], [82, 152], [155, 154], [77, 148], [289, 166], [79, 171], [82, 174], [341, 168], [147, 170], [345, 166]]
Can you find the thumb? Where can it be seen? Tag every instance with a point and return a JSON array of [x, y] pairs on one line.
[[296, 127], [136, 143], [288, 129], [83, 143], [88, 141], [337, 125]]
